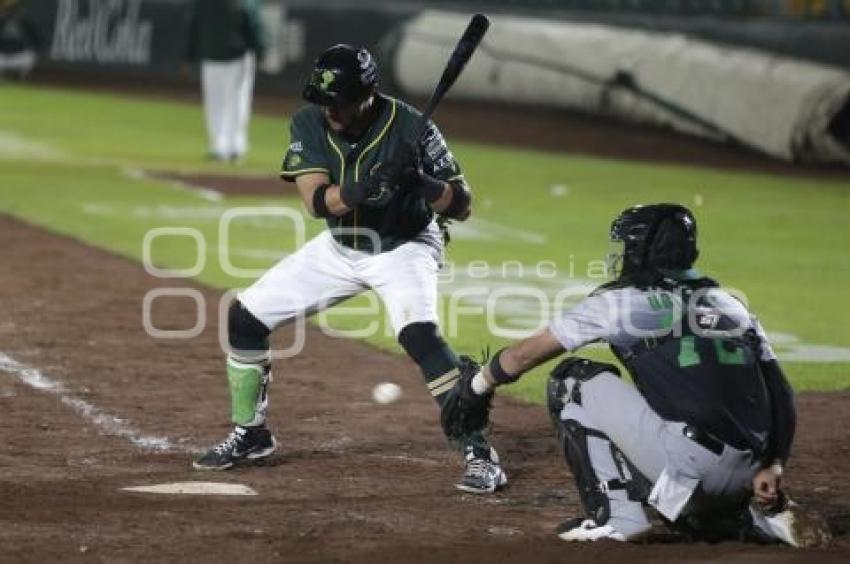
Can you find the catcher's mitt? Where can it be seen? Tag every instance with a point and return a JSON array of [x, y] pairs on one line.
[[464, 411]]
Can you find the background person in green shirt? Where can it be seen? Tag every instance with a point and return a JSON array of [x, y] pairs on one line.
[[18, 41], [226, 36]]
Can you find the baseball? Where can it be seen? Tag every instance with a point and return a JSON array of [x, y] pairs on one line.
[[386, 392], [559, 190]]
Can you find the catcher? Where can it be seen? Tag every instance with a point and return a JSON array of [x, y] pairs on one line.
[[705, 433]]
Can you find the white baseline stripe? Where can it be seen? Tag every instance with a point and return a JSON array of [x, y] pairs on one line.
[[206, 193], [107, 423]]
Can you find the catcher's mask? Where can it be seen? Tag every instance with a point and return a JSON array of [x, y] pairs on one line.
[[652, 238], [343, 75]]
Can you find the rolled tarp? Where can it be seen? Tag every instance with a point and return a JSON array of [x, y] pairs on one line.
[[790, 109]]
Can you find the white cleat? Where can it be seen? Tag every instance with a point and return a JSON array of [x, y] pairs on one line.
[[584, 530], [792, 525]]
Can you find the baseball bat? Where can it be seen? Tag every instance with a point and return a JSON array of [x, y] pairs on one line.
[[463, 51]]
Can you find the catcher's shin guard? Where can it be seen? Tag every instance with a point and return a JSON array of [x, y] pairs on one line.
[[574, 437], [610, 488]]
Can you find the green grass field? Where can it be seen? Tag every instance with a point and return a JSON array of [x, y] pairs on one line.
[[70, 162]]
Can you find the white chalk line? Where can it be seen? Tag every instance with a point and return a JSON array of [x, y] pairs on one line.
[[17, 147], [140, 175], [108, 424], [477, 229]]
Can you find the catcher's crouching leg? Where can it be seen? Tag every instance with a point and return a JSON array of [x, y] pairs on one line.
[[610, 488]]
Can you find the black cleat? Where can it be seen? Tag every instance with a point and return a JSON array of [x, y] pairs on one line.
[[482, 474], [243, 443]]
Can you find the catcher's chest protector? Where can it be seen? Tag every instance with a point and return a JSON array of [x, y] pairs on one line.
[[706, 373]]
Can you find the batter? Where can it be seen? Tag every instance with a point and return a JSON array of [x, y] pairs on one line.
[[381, 192]]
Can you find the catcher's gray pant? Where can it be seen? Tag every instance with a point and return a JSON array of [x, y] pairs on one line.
[[659, 449]]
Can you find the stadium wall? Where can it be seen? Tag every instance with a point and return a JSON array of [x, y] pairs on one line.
[[558, 62]]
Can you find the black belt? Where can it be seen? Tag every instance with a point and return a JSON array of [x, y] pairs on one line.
[[704, 439], [366, 244]]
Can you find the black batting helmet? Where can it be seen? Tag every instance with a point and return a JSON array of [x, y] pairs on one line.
[[655, 237], [342, 75]]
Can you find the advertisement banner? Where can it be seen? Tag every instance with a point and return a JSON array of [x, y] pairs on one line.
[[150, 36], [141, 34]]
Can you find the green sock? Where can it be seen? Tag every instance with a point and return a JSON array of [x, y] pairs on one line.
[[246, 387]]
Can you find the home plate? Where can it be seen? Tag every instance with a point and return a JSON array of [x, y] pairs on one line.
[[194, 488]]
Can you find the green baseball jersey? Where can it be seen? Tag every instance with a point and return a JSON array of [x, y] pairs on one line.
[[314, 147], [223, 30]]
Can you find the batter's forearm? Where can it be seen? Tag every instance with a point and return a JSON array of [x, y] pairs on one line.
[[326, 201], [455, 200], [443, 201], [334, 202]]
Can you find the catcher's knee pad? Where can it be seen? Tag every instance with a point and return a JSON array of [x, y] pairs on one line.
[[580, 370], [619, 472], [556, 399], [248, 336]]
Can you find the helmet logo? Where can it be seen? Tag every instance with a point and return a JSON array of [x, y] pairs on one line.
[[364, 58], [327, 77], [367, 65]]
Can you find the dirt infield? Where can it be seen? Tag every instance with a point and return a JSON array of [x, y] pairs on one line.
[[354, 482]]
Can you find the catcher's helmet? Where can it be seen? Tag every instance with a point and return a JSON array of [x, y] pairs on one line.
[[654, 237], [342, 75]]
